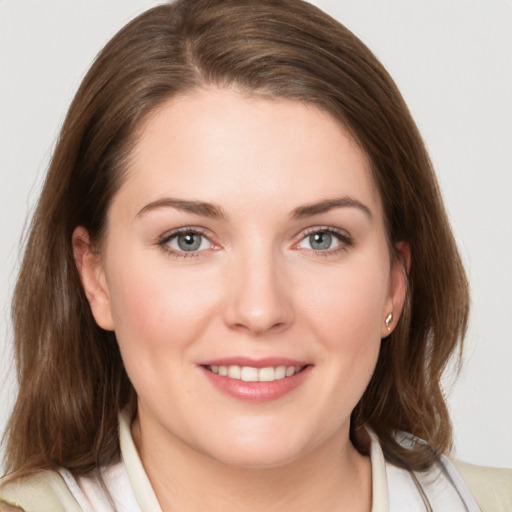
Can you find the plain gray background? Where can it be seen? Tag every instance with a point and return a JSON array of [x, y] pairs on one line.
[[452, 60]]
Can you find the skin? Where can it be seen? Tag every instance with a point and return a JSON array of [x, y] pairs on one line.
[[257, 287]]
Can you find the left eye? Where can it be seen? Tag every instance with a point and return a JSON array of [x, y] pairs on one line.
[[320, 241], [188, 242]]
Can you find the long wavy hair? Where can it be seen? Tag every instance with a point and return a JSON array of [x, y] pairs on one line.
[[72, 381]]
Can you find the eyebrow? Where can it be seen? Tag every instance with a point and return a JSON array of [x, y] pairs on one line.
[[312, 209], [214, 211], [196, 207]]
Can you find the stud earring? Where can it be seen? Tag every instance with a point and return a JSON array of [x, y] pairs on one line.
[[388, 320]]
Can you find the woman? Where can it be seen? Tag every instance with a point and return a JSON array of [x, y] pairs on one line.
[[240, 279]]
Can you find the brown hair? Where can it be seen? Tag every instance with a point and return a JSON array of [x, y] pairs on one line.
[[72, 382]]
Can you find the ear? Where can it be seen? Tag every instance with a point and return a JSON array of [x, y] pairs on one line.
[[92, 274], [397, 288]]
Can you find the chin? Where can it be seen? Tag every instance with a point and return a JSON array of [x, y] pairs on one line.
[[257, 449], [257, 458]]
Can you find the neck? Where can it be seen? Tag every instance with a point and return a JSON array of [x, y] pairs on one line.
[[332, 476]]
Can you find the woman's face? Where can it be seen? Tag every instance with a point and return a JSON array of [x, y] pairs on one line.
[[247, 239]]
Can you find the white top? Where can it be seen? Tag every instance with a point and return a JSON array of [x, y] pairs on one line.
[[394, 489]]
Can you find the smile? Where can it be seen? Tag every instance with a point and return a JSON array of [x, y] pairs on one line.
[[252, 374], [256, 380]]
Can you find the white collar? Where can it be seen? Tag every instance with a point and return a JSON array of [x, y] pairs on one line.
[[139, 480], [380, 497]]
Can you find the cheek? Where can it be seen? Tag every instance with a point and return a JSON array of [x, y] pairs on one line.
[[158, 315], [156, 306], [341, 310], [345, 317], [347, 305]]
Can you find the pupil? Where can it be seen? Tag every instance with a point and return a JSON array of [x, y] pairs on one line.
[[189, 242], [320, 241]]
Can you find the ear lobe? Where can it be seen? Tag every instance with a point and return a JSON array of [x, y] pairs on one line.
[[92, 274], [397, 287]]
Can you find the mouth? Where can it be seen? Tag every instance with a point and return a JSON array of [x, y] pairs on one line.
[[259, 380], [253, 374]]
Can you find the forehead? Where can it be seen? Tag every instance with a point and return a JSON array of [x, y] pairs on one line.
[[222, 146]]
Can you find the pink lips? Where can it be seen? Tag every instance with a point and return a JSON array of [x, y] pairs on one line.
[[256, 391]]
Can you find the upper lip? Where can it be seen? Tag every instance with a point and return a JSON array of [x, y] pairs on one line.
[[254, 363]]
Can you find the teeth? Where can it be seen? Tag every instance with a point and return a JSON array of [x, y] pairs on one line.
[[250, 374], [234, 372], [280, 372], [290, 370], [266, 374]]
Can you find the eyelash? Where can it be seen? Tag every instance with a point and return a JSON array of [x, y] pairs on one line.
[[344, 238], [164, 240]]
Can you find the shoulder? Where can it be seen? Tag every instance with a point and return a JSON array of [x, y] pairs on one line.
[[491, 487], [44, 491]]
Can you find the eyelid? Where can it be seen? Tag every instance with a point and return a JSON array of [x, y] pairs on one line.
[[184, 229], [345, 239], [163, 241]]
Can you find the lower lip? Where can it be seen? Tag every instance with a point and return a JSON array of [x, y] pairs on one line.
[[257, 391]]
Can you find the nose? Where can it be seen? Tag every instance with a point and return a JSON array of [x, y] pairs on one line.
[[259, 294]]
